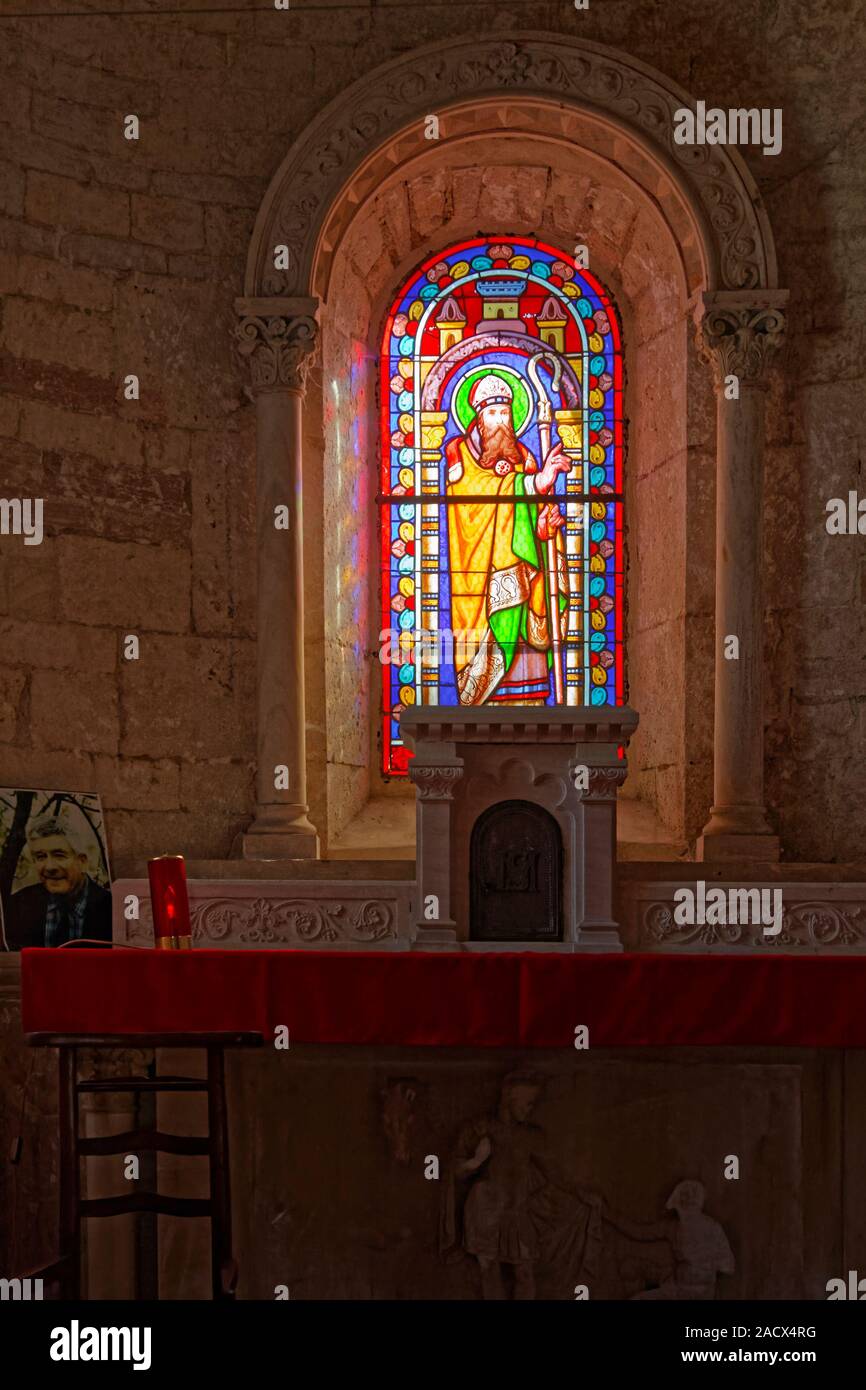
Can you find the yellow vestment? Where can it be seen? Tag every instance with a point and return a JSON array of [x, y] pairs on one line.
[[498, 580]]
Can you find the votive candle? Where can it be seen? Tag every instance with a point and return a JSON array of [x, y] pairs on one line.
[[170, 902]]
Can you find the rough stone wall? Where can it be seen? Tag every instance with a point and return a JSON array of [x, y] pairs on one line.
[[120, 256], [815, 620]]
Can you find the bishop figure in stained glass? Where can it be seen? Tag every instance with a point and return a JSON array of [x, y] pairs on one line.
[[501, 486]]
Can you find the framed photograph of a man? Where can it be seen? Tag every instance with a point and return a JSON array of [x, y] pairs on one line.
[[55, 882]]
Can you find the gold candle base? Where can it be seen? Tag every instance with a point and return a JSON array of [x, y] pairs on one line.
[[174, 943]]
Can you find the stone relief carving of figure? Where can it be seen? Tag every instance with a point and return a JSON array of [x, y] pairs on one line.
[[398, 1096], [700, 1247], [506, 1205]]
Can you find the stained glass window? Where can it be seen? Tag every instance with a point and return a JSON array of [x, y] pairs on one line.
[[501, 486]]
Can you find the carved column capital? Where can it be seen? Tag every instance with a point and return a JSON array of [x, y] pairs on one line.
[[604, 783], [435, 782], [738, 334], [276, 340]]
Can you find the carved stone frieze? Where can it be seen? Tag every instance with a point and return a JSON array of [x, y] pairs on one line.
[[253, 918], [277, 349], [379, 106], [273, 922], [808, 925]]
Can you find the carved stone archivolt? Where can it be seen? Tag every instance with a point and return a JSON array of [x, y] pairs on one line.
[[805, 926], [627, 98], [278, 350], [740, 339]]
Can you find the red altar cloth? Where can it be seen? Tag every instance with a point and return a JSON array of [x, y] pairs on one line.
[[454, 999]]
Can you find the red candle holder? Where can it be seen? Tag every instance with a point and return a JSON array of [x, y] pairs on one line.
[[169, 901]]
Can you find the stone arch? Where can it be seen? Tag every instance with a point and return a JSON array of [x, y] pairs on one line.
[[529, 187], [621, 107], [569, 95]]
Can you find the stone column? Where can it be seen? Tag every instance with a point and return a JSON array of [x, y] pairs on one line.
[[277, 338], [598, 929], [738, 333]]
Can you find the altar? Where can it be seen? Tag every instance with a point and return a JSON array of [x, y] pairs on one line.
[[395, 1060]]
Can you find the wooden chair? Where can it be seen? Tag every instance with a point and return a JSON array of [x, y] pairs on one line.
[[64, 1274]]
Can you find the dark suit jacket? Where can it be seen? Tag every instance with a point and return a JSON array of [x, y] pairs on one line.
[[24, 916]]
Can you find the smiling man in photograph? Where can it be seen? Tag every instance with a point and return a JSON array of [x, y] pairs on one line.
[[66, 904]]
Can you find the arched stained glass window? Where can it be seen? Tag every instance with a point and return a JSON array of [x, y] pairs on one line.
[[501, 486]]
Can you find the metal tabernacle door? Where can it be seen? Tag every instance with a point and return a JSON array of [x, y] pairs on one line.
[[515, 875]]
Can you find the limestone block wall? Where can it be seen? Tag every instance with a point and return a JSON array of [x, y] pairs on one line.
[[120, 256]]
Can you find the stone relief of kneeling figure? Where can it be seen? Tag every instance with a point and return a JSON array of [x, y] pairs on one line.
[[700, 1247]]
